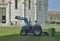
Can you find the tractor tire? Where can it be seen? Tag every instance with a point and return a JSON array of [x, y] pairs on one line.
[[38, 31], [23, 33]]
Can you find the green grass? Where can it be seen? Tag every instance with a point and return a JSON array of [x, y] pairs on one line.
[[13, 34]]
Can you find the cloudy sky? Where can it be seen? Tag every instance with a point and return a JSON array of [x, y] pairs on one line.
[[54, 5]]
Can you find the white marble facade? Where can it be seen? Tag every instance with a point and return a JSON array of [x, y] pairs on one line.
[[34, 9]]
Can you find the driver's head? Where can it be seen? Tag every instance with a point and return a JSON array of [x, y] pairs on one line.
[[36, 21]]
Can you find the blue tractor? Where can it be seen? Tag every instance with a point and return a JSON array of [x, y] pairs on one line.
[[27, 28]]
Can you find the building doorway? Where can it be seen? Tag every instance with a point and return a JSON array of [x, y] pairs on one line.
[[2, 15]]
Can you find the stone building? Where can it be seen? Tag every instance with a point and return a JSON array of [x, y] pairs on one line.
[[4, 11], [34, 9]]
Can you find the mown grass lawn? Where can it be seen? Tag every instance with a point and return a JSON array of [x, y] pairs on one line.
[[13, 34]]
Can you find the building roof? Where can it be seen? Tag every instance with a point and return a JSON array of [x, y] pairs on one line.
[[54, 13]]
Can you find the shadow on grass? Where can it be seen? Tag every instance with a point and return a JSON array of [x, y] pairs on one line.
[[57, 36], [30, 37]]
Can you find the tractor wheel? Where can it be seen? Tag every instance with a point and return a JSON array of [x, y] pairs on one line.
[[23, 32], [37, 32]]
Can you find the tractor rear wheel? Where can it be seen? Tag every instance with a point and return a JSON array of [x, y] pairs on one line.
[[37, 32]]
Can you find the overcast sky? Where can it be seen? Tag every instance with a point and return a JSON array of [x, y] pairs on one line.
[[54, 5]]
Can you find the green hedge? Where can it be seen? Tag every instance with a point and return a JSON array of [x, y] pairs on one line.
[[51, 31], [54, 22]]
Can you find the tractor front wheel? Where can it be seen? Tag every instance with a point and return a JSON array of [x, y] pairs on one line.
[[23, 32]]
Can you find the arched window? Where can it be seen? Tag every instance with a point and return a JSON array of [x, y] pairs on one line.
[[29, 4], [15, 4], [39, 5]]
